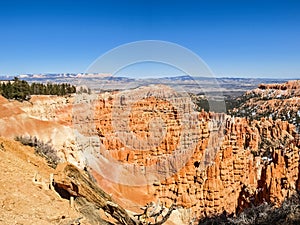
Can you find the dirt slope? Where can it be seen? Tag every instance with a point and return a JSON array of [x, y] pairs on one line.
[[23, 201]]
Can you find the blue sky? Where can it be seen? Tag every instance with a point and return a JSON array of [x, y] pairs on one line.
[[235, 38]]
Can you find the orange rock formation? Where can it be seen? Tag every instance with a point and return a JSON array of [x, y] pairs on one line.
[[233, 164], [255, 161]]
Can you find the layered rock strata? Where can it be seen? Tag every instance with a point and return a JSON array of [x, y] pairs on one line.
[[235, 163]]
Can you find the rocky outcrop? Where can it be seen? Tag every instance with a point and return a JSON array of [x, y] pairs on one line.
[[291, 88], [70, 182], [48, 118], [278, 101], [236, 163], [150, 146], [239, 177], [49, 108]]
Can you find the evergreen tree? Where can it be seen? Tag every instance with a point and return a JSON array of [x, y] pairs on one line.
[[21, 90]]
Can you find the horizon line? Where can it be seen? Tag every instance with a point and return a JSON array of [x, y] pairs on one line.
[[143, 77]]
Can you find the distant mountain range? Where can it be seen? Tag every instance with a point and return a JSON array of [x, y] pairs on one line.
[[106, 82]]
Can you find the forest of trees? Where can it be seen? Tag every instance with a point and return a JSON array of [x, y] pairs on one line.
[[21, 89]]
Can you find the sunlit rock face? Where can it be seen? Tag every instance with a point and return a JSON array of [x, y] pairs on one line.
[[145, 146], [278, 101], [234, 162]]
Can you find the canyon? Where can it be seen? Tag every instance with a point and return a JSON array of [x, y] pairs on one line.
[[150, 145]]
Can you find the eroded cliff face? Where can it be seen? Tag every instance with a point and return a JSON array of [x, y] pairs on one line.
[[278, 101], [235, 164], [48, 118], [221, 164], [251, 163]]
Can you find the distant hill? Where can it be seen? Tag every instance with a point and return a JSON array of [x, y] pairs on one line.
[[106, 82]]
